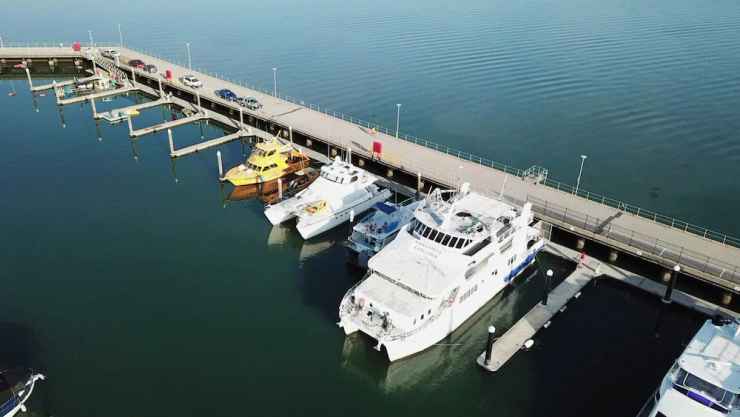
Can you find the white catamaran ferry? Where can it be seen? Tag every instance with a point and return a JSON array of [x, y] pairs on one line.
[[377, 229], [460, 250], [705, 380], [341, 191]]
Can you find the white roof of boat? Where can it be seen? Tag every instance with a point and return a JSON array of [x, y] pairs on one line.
[[470, 214], [386, 294], [419, 265], [714, 355]]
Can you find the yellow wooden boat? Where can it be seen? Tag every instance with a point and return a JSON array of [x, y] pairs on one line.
[[269, 161]]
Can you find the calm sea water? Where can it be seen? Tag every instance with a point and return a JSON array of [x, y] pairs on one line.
[[138, 289]]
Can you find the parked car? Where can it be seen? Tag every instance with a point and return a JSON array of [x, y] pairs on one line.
[[226, 94], [136, 63], [249, 102], [191, 81], [152, 69], [110, 53]]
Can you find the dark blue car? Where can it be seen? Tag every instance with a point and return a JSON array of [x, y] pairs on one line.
[[226, 94]]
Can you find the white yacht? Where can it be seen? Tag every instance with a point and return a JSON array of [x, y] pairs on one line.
[[705, 380], [459, 251], [341, 191], [378, 228], [15, 389]]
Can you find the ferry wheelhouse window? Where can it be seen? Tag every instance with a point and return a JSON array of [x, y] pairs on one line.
[[725, 399]]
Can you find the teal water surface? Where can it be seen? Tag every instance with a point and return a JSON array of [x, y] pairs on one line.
[[132, 283]]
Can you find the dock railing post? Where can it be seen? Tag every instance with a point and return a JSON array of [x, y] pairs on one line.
[[220, 165], [489, 345], [28, 74], [161, 91], [171, 141], [671, 284]]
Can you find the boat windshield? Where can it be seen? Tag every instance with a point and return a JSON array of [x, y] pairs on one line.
[[332, 177], [722, 397]]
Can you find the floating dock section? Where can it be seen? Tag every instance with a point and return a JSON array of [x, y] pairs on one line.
[[514, 339], [164, 126], [94, 96], [177, 153], [45, 87], [137, 107]]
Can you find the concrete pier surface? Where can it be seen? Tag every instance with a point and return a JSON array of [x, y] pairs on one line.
[[708, 255]]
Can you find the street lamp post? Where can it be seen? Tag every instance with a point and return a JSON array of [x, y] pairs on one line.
[[190, 62], [578, 182], [548, 278], [274, 81], [89, 32], [120, 36], [398, 117]]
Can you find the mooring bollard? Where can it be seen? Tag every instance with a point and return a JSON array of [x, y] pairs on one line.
[[546, 295], [672, 283], [489, 345], [220, 165]]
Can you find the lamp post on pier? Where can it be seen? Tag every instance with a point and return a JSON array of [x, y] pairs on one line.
[[190, 62], [398, 117], [274, 81], [120, 36], [92, 43], [578, 182]]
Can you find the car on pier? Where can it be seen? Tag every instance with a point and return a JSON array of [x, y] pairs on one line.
[[226, 94], [150, 68], [136, 63], [191, 81], [249, 102], [110, 53]]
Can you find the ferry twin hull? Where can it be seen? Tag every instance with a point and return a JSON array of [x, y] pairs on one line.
[[314, 227], [449, 320]]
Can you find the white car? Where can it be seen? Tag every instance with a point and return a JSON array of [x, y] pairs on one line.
[[110, 53], [191, 81]]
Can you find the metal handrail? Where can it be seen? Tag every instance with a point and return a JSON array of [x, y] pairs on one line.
[[647, 244]]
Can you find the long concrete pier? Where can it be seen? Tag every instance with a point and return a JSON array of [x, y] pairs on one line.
[[705, 254]]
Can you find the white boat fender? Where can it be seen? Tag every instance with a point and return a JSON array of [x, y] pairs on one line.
[[528, 344]]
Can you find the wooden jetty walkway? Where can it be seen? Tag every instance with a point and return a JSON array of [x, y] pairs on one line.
[[95, 96], [704, 254]]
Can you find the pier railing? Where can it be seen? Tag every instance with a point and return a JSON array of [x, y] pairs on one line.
[[649, 245]]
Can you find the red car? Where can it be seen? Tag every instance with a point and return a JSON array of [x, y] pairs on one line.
[[136, 63]]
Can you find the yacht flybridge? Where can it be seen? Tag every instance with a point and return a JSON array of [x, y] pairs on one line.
[[460, 250], [341, 191], [705, 380]]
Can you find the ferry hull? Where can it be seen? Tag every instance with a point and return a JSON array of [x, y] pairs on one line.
[[449, 320]]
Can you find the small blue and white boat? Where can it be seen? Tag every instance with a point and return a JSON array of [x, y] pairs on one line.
[[378, 227], [16, 388]]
